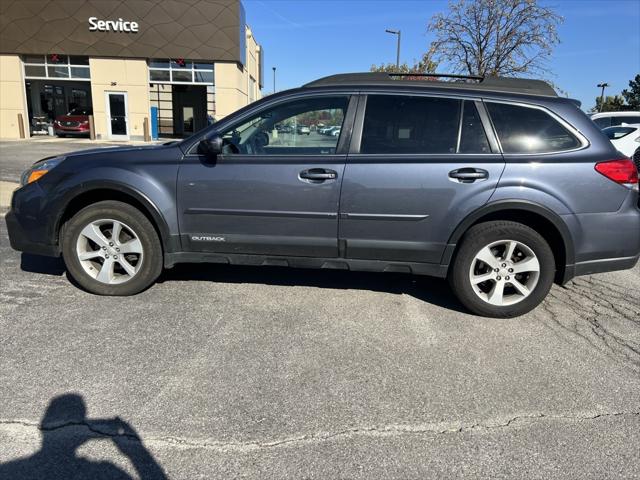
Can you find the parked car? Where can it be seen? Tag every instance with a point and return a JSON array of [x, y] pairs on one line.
[[326, 130], [625, 138], [303, 130], [611, 119], [335, 132], [636, 158], [501, 186], [75, 123]]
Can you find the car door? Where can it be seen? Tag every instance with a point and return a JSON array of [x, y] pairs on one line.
[[417, 166], [272, 191]]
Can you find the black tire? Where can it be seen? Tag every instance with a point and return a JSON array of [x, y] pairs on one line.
[[152, 260], [484, 234]]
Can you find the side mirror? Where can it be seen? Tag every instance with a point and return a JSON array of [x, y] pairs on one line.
[[210, 146]]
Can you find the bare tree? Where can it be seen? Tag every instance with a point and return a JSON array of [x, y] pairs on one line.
[[495, 37]]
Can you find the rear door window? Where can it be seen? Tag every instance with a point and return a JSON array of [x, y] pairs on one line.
[[529, 130], [473, 138], [410, 124], [421, 125]]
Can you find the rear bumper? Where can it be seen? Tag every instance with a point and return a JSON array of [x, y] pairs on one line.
[[21, 241], [605, 242]]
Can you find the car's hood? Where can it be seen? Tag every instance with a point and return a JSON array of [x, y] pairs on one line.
[[72, 118], [116, 149]]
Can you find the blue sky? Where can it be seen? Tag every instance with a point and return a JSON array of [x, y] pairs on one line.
[[307, 39]]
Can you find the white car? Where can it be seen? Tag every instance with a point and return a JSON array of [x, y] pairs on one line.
[[626, 138], [335, 132], [611, 119]]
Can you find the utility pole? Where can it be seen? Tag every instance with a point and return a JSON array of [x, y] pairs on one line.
[[274, 79], [602, 85], [396, 32]]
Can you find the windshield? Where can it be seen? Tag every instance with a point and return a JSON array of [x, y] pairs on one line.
[[615, 133], [80, 111]]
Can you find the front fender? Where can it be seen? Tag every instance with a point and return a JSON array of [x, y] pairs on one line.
[[158, 198]]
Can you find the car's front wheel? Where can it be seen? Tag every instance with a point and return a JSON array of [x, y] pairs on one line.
[[502, 269], [111, 248]]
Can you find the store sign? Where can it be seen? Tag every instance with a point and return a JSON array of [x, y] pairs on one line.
[[119, 25]]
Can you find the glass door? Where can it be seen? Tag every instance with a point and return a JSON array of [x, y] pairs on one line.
[[117, 120]]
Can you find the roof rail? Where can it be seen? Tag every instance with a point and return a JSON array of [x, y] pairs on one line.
[[474, 82]]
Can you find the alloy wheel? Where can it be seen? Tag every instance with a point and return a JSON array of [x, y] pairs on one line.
[[109, 251], [504, 272]]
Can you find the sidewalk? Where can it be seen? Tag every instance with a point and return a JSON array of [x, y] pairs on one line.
[[82, 140], [6, 190]]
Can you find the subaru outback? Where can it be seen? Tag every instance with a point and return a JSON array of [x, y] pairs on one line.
[[497, 184]]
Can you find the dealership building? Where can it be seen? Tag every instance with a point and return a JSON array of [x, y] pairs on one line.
[[140, 67]]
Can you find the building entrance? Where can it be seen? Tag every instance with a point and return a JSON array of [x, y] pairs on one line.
[[189, 109]]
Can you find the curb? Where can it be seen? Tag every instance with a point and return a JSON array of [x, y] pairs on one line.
[[6, 191]]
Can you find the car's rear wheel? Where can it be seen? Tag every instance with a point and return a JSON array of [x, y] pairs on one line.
[[502, 269], [111, 248]]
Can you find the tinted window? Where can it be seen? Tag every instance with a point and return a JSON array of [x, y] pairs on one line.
[[529, 130], [291, 128], [403, 124], [603, 122], [473, 138], [621, 120], [80, 111], [614, 133]]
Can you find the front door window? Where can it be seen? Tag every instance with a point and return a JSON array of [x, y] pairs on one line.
[[302, 127]]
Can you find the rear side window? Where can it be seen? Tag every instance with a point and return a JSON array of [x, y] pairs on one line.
[[529, 130], [614, 133], [621, 120], [603, 122]]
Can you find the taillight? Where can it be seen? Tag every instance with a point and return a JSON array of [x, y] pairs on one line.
[[621, 171]]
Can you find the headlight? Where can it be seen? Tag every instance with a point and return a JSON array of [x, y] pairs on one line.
[[40, 169]]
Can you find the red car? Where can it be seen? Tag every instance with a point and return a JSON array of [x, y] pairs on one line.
[[76, 122]]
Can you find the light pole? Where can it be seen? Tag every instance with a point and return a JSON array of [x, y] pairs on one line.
[[396, 32], [274, 79], [602, 85]]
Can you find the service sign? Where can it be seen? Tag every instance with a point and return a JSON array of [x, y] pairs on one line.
[[118, 25]]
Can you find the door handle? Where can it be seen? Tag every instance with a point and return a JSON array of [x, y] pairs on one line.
[[468, 175], [318, 175]]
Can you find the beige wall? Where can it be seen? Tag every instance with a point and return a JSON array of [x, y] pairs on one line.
[[12, 97], [120, 75], [233, 82]]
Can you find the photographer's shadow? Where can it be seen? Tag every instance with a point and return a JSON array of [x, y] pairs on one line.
[[65, 429]]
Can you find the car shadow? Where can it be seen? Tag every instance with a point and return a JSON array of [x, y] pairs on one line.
[[428, 289], [41, 264], [64, 429]]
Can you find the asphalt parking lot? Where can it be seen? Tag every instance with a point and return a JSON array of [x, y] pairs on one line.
[[238, 372]]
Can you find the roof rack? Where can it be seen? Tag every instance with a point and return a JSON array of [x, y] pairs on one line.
[[473, 82]]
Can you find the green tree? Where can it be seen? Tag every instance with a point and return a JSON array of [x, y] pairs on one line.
[[495, 37], [612, 103], [425, 65], [632, 96]]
